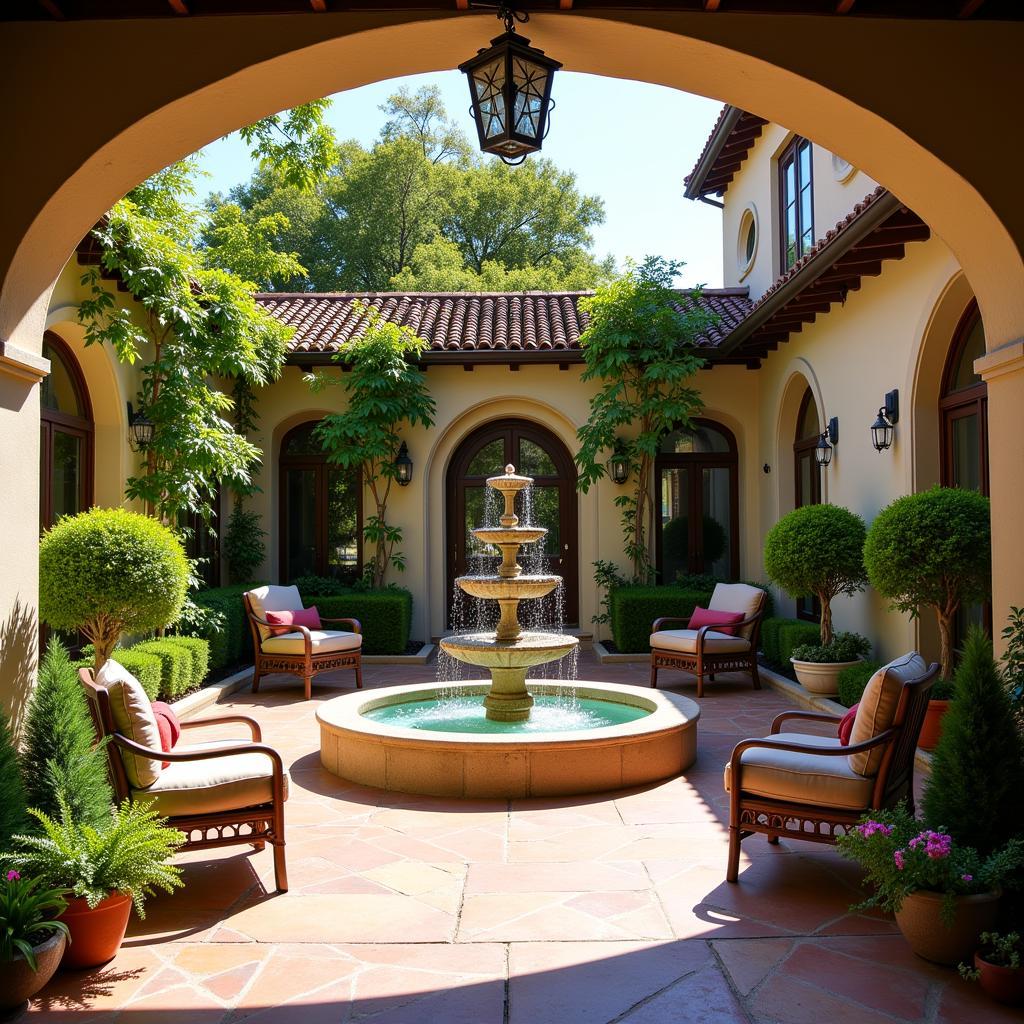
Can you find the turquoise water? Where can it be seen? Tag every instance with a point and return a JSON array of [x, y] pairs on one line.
[[466, 714]]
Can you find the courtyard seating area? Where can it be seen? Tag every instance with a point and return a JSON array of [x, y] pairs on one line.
[[605, 908]]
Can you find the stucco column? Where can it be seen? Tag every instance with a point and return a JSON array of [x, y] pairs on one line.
[[1003, 370], [20, 374]]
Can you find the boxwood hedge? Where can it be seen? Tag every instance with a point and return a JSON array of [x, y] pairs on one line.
[[175, 667], [147, 668]]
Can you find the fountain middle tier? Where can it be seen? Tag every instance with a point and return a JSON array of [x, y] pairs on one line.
[[498, 588]]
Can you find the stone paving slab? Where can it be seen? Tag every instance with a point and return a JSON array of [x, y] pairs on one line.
[[603, 909]]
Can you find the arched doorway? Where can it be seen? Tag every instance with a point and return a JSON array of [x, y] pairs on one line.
[[807, 479], [320, 511], [66, 438], [536, 452], [696, 472]]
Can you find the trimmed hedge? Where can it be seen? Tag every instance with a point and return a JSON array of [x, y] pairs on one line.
[[633, 609], [385, 616], [199, 650], [147, 668], [853, 680], [175, 667], [780, 635], [232, 643]]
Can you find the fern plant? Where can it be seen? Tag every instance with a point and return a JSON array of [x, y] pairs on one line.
[[127, 854]]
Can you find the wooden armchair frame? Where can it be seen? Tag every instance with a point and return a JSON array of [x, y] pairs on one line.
[[894, 781], [255, 826], [306, 664], [706, 663]]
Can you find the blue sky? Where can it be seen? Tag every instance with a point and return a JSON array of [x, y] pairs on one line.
[[629, 142]]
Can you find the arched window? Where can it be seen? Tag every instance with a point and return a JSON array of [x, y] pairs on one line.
[[321, 511], [66, 439], [807, 478], [696, 474]]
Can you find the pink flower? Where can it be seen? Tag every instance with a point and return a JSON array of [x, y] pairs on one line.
[[967, 878], [13, 876], [871, 828], [898, 858]]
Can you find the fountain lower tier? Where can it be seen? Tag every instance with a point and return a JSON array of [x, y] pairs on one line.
[[508, 699]]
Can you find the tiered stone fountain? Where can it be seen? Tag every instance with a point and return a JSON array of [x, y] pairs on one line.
[[508, 652], [491, 737]]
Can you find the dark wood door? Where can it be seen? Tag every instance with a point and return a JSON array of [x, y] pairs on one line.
[[551, 503]]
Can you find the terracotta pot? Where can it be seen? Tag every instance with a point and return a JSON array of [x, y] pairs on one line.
[[920, 921], [1003, 984], [19, 983], [820, 677], [931, 730], [96, 935]]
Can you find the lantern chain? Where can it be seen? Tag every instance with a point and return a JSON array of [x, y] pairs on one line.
[[507, 13]]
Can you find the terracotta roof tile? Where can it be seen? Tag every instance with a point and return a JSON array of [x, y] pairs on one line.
[[471, 321], [735, 130]]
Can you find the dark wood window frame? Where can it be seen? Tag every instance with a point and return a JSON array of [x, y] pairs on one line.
[[791, 156], [511, 431], [320, 466], [808, 609], [695, 462]]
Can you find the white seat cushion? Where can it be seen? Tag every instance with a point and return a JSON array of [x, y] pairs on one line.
[[134, 718], [272, 598], [325, 641], [801, 778], [685, 641], [226, 783], [737, 597]]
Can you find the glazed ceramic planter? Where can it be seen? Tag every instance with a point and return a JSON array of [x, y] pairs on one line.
[[1003, 984], [820, 677], [19, 983], [931, 730], [96, 935], [920, 921]]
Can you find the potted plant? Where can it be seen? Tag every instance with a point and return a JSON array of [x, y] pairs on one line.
[[997, 967], [939, 698], [932, 549], [31, 939], [818, 667], [819, 550], [944, 894], [106, 869]]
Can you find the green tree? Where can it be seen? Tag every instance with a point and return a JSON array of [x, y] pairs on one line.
[[59, 755], [819, 550], [297, 143], [422, 117], [932, 549], [976, 785], [13, 815], [639, 348], [385, 392]]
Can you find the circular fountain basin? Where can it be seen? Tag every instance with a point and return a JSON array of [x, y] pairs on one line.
[[496, 588], [527, 650], [659, 741]]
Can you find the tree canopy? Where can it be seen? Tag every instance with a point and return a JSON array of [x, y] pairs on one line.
[[418, 210]]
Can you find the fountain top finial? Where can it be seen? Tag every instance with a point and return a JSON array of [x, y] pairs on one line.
[[510, 470]]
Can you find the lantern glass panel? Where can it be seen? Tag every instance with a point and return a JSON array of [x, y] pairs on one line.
[[530, 83], [488, 82]]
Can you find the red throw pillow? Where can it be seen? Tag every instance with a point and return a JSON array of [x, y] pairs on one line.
[[709, 617], [846, 725], [168, 725], [308, 617]]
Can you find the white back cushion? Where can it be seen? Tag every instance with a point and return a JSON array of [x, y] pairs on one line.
[[134, 718], [737, 597], [274, 598]]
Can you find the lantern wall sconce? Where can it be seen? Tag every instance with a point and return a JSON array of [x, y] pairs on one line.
[[618, 464], [403, 466], [828, 440], [140, 430], [888, 416], [510, 91]]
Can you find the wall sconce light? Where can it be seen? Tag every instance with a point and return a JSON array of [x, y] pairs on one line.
[[888, 416], [767, 469], [403, 466], [618, 464], [828, 440], [140, 430]]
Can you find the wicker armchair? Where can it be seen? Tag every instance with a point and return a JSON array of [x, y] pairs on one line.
[[297, 650], [235, 798], [811, 787], [706, 651]]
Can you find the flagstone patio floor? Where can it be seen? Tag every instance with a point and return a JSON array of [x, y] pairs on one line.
[[605, 909]]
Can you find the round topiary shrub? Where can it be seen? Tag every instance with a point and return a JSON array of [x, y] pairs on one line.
[[817, 549], [108, 572], [932, 549]]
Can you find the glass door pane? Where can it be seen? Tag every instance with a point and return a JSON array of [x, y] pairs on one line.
[[477, 554], [66, 473], [675, 524], [716, 535], [342, 524], [966, 451], [301, 520]]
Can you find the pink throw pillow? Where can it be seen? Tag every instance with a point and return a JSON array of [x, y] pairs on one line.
[[168, 726], [708, 617], [308, 617], [845, 727]]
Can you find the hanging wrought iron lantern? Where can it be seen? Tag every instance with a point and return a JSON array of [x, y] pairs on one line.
[[403, 466], [828, 440], [618, 464], [140, 430], [883, 428], [510, 91]]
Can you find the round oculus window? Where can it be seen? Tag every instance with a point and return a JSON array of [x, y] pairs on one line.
[[746, 243]]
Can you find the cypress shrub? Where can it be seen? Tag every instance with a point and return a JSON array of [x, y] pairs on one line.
[[976, 788], [200, 651], [59, 758], [175, 667], [13, 818], [853, 681]]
